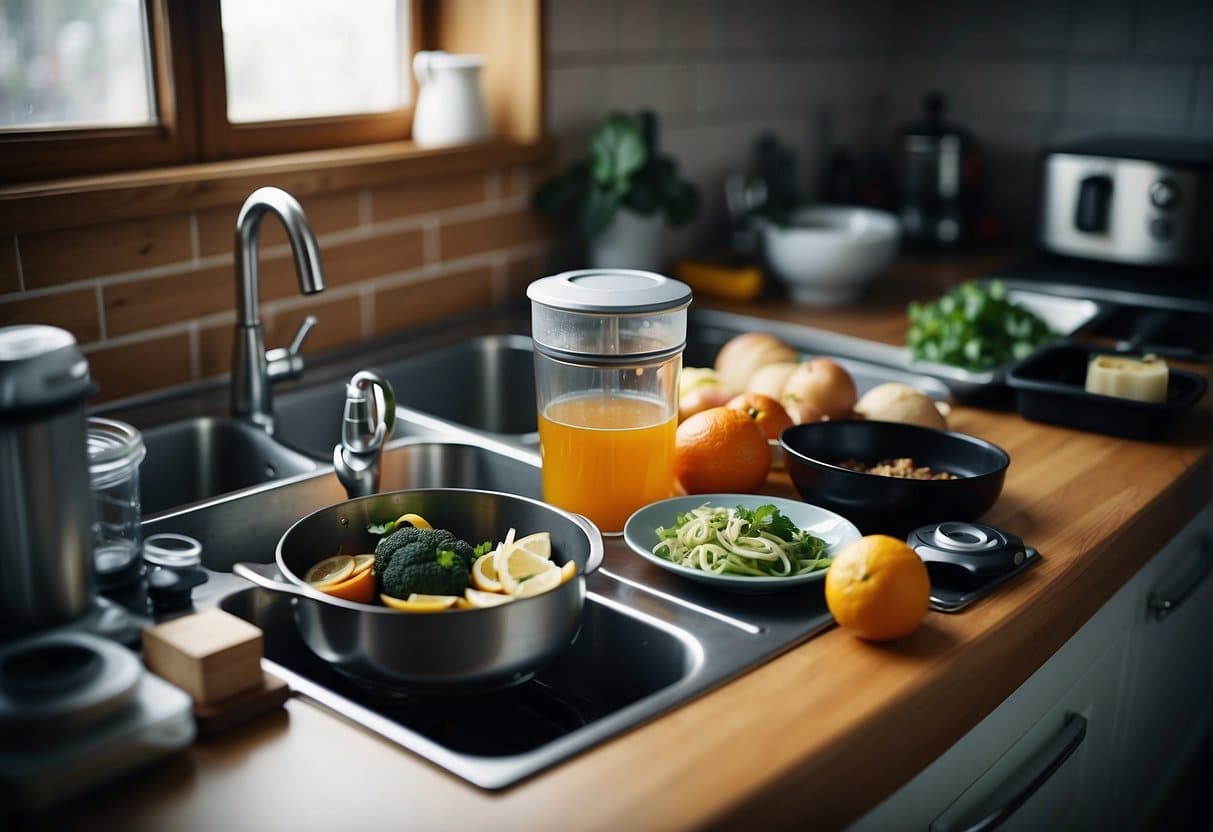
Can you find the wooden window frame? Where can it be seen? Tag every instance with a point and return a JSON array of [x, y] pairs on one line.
[[221, 139], [190, 92], [38, 192], [65, 151]]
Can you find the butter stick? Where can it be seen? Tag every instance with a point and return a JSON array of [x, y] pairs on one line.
[[1144, 380]]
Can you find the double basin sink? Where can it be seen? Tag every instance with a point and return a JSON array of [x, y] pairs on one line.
[[465, 419]]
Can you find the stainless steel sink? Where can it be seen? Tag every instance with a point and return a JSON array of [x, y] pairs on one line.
[[196, 459], [484, 386], [246, 526]]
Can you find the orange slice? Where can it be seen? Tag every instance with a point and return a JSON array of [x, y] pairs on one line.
[[362, 563], [360, 587], [330, 571]]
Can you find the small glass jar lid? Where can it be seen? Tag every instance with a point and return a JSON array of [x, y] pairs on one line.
[[176, 551], [115, 450]]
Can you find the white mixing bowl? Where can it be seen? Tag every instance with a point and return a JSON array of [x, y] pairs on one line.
[[829, 254]]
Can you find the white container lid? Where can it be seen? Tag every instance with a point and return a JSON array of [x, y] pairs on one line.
[[609, 315]]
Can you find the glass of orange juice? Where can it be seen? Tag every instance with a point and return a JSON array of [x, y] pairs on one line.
[[608, 349]]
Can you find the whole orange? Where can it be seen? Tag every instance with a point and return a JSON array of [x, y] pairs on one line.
[[878, 588], [767, 412], [721, 449]]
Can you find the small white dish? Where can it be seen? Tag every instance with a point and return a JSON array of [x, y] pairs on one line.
[[829, 254], [640, 533]]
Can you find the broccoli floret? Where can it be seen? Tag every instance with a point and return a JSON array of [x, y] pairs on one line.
[[427, 569], [397, 540]]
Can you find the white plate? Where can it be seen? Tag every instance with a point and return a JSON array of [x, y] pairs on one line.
[[640, 532]]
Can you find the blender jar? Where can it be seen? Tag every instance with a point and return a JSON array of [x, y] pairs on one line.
[[608, 350], [115, 450]]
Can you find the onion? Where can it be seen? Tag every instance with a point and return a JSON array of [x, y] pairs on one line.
[[702, 398], [822, 384], [769, 379], [741, 357], [894, 402]]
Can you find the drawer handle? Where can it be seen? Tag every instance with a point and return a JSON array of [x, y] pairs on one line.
[[1162, 604], [1047, 760]]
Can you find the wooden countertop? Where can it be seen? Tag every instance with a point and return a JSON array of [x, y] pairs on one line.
[[813, 737]]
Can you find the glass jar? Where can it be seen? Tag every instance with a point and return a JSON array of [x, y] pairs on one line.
[[608, 350], [115, 450]]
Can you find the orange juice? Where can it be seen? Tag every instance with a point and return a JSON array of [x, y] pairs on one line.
[[606, 456]]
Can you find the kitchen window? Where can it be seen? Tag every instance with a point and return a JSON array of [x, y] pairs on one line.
[[89, 86]]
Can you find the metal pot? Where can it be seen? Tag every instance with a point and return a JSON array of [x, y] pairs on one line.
[[451, 652]]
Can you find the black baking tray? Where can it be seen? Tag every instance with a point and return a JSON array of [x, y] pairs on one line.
[[1049, 387]]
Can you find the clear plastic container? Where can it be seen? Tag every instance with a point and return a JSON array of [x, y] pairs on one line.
[[608, 350], [115, 450]]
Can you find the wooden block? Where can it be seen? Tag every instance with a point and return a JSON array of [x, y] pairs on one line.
[[211, 655], [238, 709]]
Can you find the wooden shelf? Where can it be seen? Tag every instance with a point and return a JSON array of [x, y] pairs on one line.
[[68, 203]]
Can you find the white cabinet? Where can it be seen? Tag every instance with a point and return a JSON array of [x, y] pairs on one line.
[[1167, 709], [1126, 696]]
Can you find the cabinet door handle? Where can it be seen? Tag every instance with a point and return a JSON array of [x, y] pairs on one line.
[[1163, 603], [1035, 772]]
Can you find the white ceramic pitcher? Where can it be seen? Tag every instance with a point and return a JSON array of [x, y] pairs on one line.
[[450, 107]]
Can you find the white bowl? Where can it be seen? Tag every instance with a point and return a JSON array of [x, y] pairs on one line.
[[640, 533], [829, 254]]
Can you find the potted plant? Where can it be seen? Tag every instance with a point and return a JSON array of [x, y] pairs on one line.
[[622, 196]]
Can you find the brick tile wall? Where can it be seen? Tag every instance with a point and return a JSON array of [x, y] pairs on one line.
[[152, 302]]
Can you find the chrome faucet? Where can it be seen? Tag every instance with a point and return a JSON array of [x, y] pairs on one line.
[[366, 426], [253, 369]]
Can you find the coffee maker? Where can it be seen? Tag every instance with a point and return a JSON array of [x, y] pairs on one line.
[[77, 709]]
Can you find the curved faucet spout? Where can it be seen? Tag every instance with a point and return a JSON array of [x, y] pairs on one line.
[[253, 372]]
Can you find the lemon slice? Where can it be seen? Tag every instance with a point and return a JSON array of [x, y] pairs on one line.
[[362, 563], [420, 603], [539, 543], [330, 571], [516, 565], [568, 571], [539, 583], [484, 573], [476, 598], [414, 520]]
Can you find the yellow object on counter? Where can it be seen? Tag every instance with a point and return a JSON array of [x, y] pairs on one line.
[[1144, 380], [721, 280]]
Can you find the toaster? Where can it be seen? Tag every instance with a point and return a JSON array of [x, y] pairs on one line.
[[1131, 200]]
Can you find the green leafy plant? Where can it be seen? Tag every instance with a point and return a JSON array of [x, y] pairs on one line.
[[625, 169], [976, 327]]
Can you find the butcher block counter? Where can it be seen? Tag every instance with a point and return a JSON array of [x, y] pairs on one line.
[[814, 737]]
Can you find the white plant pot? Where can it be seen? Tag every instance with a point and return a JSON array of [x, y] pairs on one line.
[[629, 242]]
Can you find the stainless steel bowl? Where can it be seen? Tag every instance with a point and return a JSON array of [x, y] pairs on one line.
[[459, 651]]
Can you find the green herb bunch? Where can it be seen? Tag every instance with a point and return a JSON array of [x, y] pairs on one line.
[[625, 169], [976, 327]]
